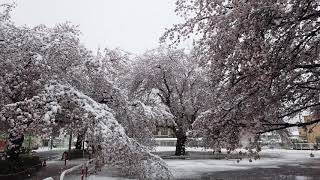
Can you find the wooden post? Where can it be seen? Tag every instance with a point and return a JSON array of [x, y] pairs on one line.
[[51, 142], [82, 173], [65, 159], [82, 149]]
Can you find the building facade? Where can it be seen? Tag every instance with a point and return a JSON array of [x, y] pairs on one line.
[[310, 133], [165, 136]]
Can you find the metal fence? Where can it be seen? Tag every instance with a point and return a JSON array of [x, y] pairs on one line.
[[305, 146]]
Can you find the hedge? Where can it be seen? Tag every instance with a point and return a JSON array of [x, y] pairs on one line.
[[26, 165], [75, 154]]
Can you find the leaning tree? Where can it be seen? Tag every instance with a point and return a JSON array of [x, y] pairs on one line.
[[112, 146], [107, 81], [264, 60], [29, 57]]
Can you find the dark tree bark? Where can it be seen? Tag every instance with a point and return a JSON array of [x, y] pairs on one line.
[[14, 148], [181, 142], [80, 139], [70, 141]]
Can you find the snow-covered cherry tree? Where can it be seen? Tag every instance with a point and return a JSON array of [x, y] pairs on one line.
[[107, 82], [264, 60], [45, 84], [179, 82], [30, 57], [38, 114]]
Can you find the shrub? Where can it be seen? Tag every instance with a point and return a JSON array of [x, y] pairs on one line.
[[25, 163], [29, 160]]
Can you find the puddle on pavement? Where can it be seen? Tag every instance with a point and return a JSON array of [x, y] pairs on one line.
[[303, 178]]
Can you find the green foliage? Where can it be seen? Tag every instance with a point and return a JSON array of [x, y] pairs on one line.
[[3, 135]]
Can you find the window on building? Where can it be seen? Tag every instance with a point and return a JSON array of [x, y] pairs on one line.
[[164, 132]]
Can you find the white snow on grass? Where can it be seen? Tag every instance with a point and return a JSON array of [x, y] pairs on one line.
[[196, 168], [94, 177], [42, 149]]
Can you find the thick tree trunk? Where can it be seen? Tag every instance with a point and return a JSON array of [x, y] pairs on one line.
[[70, 141], [79, 142], [14, 146], [181, 142]]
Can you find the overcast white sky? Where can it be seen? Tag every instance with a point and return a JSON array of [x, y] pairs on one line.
[[132, 25]]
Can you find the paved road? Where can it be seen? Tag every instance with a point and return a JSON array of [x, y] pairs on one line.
[[55, 166], [53, 169], [51, 154]]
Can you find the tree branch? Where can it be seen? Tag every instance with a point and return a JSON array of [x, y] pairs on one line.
[[288, 125], [308, 66], [297, 110]]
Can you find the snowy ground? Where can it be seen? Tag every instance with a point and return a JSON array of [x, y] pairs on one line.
[[42, 149], [196, 168], [186, 169], [55, 167]]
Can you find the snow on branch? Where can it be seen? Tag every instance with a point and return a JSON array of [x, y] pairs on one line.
[[288, 125], [108, 137]]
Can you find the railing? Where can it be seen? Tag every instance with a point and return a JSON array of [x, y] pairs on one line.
[[305, 146], [166, 141], [80, 171]]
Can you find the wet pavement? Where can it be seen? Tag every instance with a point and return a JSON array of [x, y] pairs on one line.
[[50, 154], [53, 169]]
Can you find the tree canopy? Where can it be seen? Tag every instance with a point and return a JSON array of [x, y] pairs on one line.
[[264, 61], [174, 79], [254, 65]]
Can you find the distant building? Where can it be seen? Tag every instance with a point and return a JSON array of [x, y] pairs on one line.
[[295, 137], [270, 138], [165, 136], [164, 132], [310, 133]]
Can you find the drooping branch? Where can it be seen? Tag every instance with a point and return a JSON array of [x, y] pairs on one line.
[[299, 109], [308, 66], [102, 131], [169, 91], [288, 125]]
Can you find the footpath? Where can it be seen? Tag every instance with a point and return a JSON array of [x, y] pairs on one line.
[[54, 168]]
